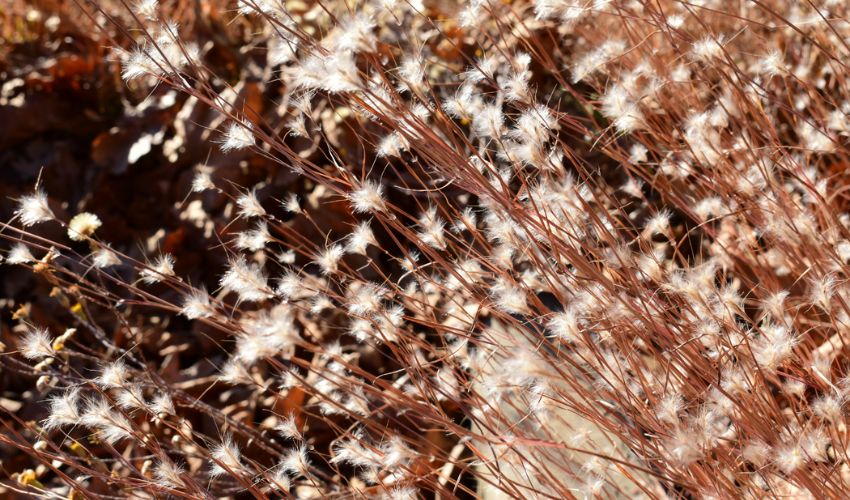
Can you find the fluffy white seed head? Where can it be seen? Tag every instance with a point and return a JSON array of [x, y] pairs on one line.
[[104, 257], [37, 344], [162, 268], [83, 225], [226, 459], [33, 208], [360, 238], [368, 197], [197, 304], [19, 254], [237, 136], [249, 205]]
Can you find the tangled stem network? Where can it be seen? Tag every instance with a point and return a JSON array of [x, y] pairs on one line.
[[525, 249]]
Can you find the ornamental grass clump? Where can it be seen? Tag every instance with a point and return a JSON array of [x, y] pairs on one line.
[[528, 249]]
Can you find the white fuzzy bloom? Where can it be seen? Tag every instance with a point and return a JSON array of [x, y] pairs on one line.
[[33, 208], [365, 298], [202, 181], [669, 407], [64, 410], [281, 50], [335, 73], [162, 405], [814, 139], [19, 254], [328, 260], [773, 63], [565, 325], [368, 197], [249, 205], [620, 106], [707, 49], [227, 459], [265, 336], [146, 9], [254, 239], [789, 458], [288, 428], [272, 8], [113, 375], [37, 344], [296, 462], [111, 425], [356, 34], [105, 257], [657, 224], [247, 280], [83, 225], [821, 291], [353, 452], [432, 229], [291, 204], [360, 239], [509, 297], [774, 346], [131, 397], [162, 267], [489, 122], [290, 285], [237, 136], [197, 304], [169, 475]]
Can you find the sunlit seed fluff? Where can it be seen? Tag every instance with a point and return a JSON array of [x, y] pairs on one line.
[[114, 374], [291, 204], [328, 260], [620, 106], [368, 197], [202, 180], [111, 425], [565, 325], [360, 238], [708, 48], [365, 298], [83, 225], [280, 479], [162, 405], [131, 397], [33, 208], [254, 239], [197, 304], [234, 372], [432, 229], [296, 462], [288, 428], [226, 459], [789, 458], [821, 291], [147, 9], [104, 257], [237, 136], [64, 410], [509, 297], [37, 344], [162, 268], [247, 280], [669, 407], [169, 475], [19, 254], [774, 346], [249, 205]]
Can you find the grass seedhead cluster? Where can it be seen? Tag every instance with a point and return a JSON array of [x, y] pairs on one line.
[[496, 249]]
